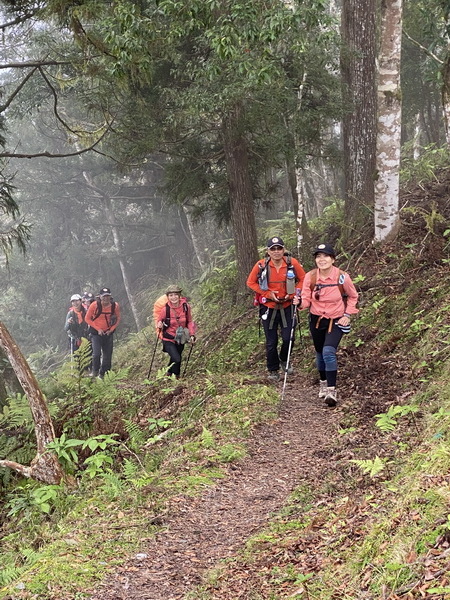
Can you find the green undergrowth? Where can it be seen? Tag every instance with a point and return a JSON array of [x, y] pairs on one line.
[[172, 440], [378, 524]]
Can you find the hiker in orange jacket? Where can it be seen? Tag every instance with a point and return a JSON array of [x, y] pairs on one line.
[[75, 324], [103, 317], [331, 298], [176, 326], [275, 280]]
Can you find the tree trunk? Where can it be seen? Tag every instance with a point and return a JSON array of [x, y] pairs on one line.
[[9, 384], [295, 187], [389, 128], [240, 195], [359, 123], [118, 245], [109, 213], [446, 95], [45, 466], [194, 238]]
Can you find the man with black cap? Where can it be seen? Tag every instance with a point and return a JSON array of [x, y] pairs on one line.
[[274, 281], [103, 317]]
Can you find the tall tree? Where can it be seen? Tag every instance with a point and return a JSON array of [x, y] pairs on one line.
[[387, 185], [359, 122]]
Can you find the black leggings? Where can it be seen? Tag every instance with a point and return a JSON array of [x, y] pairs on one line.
[[325, 343], [174, 350]]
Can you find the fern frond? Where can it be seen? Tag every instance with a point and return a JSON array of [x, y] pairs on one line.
[[371, 467]]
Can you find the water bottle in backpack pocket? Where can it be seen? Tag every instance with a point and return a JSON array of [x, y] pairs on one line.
[[290, 280], [263, 278]]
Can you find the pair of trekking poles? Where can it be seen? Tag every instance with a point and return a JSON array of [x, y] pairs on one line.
[[291, 341], [153, 358]]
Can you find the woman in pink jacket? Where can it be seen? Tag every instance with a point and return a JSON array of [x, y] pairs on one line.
[[177, 328], [331, 298]]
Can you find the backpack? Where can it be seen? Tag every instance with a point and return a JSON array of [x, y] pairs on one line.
[[264, 273], [166, 321], [99, 309]]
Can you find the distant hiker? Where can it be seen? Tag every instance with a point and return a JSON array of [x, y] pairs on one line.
[[88, 298], [331, 297], [176, 326], [274, 280], [103, 317], [75, 324]]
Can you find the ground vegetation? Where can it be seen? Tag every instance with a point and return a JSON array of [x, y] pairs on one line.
[[207, 487]]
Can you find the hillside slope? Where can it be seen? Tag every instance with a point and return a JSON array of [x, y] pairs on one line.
[[239, 497]]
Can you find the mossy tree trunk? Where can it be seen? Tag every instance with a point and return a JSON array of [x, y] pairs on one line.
[[45, 466]]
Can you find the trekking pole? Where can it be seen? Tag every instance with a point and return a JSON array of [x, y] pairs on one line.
[[153, 357], [291, 340], [187, 360]]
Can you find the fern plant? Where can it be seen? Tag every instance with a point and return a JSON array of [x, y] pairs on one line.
[[387, 421], [371, 467]]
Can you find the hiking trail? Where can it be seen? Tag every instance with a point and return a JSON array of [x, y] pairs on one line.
[[198, 532]]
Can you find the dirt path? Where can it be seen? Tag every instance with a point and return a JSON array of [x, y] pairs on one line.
[[201, 531]]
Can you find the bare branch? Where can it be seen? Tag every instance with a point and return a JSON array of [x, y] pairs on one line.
[[10, 464], [55, 103], [28, 76], [51, 154], [18, 20], [34, 63], [419, 45]]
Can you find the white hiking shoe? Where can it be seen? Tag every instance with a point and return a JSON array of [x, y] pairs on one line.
[[322, 388], [331, 396], [290, 370]]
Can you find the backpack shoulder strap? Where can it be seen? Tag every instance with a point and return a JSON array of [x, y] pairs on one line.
[[186, 311], [98, 310], [313, 280], [113, 307], [167, 319]]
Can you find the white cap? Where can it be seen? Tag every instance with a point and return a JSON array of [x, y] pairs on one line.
[[76, 297]]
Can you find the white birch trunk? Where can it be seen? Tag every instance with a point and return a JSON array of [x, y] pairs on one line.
[[389, 123]]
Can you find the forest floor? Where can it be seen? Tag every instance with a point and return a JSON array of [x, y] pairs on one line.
[[303, 446], [299, 447]]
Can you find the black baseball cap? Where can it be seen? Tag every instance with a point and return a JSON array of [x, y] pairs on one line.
[[325, 249], [275, 241]]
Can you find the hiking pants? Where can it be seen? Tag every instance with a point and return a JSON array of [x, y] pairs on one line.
[[271, 333], [102, 349], [325, 344], [174, 350]]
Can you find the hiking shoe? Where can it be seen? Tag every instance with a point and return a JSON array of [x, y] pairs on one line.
[[273, 376], [331, 396], [290, 370], [322, 388]]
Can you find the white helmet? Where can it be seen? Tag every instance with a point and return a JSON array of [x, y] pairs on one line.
[[76, 297]]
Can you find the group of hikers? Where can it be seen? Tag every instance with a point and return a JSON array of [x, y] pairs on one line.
[[94, 318], [281, 287]]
